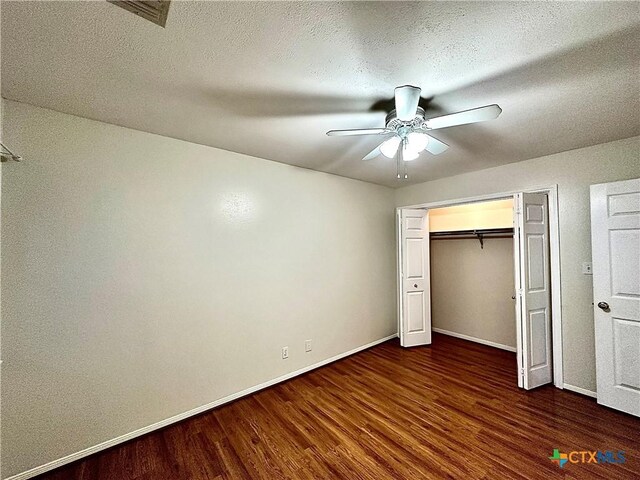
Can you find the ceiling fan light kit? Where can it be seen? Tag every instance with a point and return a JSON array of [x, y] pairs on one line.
[[408, 126]]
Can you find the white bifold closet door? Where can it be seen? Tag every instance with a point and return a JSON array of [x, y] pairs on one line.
[[415, 310], [533, 304]]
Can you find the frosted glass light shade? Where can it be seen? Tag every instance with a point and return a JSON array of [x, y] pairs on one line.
[[417, 141], [390, 147], [409, 153]]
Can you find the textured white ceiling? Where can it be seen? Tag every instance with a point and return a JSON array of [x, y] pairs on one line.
[[270, 78]]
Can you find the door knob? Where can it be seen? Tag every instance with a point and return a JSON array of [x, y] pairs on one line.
[[415, 285], [603, 305]]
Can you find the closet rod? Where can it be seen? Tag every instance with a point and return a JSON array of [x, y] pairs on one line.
[[480, 234]]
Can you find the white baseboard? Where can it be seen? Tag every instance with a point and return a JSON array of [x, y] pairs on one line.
[[177, 418], [474, 339], [582, 391]]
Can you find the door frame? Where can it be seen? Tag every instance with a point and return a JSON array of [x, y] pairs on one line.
[[554, 257]]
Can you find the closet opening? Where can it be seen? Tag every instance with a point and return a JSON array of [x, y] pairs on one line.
[[472, 272], [485, 270]]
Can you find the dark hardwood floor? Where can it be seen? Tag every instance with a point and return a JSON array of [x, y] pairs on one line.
[[451, 410]]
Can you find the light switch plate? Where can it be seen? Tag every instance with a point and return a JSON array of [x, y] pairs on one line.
[[587, 269]]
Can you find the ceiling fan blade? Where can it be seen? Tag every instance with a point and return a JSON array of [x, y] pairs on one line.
[[474, 115], [435, 146], [372, 154], [360, 131], [407, 98]]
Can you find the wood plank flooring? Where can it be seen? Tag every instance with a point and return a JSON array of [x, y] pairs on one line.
[[451, 410]]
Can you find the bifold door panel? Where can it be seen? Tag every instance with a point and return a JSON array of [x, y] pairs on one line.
[[415, 308], [534, 290]]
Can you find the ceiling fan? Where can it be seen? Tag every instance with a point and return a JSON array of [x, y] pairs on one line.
[[408, 128]]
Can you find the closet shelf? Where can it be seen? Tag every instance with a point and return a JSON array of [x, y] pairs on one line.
[[480, 234]]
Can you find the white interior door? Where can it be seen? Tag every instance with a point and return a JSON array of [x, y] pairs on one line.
[[534, 290], [415, 307], [615, 241]]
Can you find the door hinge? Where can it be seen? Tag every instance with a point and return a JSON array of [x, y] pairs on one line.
[[522, 372]]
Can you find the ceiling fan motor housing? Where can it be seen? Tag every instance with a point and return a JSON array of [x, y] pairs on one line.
[[394, 123]]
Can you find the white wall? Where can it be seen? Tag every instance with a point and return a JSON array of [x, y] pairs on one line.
[[471, 288], [573, 172], [145, 276]]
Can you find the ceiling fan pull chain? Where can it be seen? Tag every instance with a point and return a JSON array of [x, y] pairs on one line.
[[406, 171], [401, 159]]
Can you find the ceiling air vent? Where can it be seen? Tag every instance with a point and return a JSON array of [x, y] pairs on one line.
[[154, 11]]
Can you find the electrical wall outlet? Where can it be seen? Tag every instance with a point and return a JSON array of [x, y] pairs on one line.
[[307, 345], [285, 353], [587, 268]]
